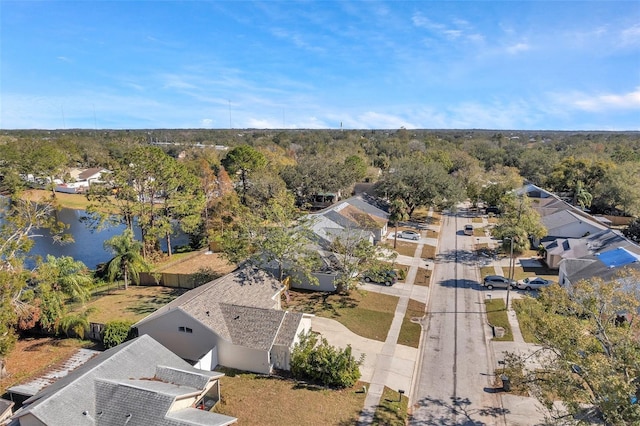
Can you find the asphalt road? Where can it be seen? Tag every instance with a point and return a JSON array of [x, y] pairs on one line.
[[454, 385]]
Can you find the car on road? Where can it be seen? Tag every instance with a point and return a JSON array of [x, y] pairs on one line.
[[409, 235], [387, 277], [497, 281], [468, 229], [533, 283]]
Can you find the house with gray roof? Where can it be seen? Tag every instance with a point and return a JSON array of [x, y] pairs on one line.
[[235, 321], [139, 382], [357, 213], [603, 255]]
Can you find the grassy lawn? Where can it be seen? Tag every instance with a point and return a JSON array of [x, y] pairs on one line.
[[521, 306], [392, 410], [132, 304], [262, 400], [71, 201], [410, 331], [423, 277], [487, 270], [365, 313], [478, 232], [403, 248], [428, 252], [497, 316], [477, 220]]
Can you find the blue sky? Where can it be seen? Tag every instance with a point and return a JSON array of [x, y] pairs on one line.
[[320, 64]]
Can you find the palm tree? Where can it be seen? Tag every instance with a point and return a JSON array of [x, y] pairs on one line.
[[128, 260], [67, 275], [76, 324], [398, 211]]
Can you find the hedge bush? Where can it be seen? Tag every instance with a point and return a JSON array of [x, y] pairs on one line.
[[116, 332], [314, 359]]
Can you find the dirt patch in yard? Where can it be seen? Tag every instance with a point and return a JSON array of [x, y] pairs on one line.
[[191, 264], [33, 356]]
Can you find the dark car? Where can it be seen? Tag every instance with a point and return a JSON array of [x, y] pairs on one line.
[[387, 277], [497, 281]]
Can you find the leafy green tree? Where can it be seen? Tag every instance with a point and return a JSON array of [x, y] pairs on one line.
[[420, 183], [398, 212], [590, 355], [66, 275], [518, 223], [274, 235], [497, 183], [128, 261], [182, 201], [356, 255], [619, 190], [244, 160], [314, 359]]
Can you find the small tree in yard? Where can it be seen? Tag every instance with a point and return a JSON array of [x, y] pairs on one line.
[[116, 332], [314, 359], [128, 261], [589, 353]]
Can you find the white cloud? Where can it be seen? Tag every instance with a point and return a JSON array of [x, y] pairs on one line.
[[206, 122], [603, 102], [631, 36], [517, 48], [64, 59]]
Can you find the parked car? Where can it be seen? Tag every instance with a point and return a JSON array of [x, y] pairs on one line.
[[533, 283], [497, 281], [409, 235], [386, 276], [468, 229]]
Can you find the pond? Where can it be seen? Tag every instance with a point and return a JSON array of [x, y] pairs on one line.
[[88, 245]]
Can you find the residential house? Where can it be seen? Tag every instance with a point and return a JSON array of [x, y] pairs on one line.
[[139, 382], [606, 257], [358, 213], [234, 321], [81, 180]]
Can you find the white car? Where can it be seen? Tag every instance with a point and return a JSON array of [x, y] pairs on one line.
[[534, 283], [409, 235]]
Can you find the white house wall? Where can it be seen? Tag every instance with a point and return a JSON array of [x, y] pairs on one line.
[[191, 346], [243, 358], [575, 230]]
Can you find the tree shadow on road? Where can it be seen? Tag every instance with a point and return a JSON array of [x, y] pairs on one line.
[[456, 412]]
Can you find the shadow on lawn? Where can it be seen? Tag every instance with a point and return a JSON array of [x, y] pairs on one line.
[[149, 305]]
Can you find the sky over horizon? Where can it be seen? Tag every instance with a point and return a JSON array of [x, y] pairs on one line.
[[532, 65]]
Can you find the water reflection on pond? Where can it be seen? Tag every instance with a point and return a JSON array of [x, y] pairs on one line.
[[88, 245]]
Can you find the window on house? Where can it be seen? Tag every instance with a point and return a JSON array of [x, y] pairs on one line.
[[188, 330], [181, 329]]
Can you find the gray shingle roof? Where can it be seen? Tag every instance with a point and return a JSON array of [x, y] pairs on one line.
[[240, 307], [147, 403], [288, 329], [72, 399], [252, 327], [248, 286]]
